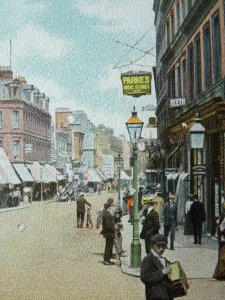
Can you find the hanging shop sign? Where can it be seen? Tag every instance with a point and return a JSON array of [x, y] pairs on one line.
[[152, 122], [199, 170], [177, 102], [136, 85]]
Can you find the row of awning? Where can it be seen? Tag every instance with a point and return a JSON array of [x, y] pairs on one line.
[[15, 173], [92, 175]]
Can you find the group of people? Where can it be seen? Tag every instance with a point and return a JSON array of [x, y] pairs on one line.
[[110, 219], [155, 211]]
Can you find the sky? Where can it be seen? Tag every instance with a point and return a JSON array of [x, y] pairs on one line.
[[74, 51]]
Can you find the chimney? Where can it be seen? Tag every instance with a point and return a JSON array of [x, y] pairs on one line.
[[21, 80], [6, 73]]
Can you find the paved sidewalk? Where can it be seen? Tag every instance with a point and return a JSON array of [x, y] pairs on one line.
[[198, 261]]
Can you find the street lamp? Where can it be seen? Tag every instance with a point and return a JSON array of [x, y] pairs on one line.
[[119, 165], [134, 127], [197, 134]]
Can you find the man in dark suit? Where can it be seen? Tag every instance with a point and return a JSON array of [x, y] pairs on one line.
[[81, 202], [108, 232], [198, 217], [151, 223], [170, 219], [155, 270]]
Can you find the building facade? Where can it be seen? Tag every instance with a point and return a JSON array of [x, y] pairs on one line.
[[24, 120], [189, 78]]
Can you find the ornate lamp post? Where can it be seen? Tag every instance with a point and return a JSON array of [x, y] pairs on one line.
[[134, 127], [119, 164]]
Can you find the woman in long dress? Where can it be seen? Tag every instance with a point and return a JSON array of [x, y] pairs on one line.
[[219, 272]]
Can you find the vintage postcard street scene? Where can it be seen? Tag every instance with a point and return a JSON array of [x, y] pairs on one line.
[[112, 149]]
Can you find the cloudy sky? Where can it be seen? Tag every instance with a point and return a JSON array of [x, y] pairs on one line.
[[74, 52]]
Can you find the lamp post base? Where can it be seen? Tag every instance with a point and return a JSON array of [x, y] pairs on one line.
[[135, 260]]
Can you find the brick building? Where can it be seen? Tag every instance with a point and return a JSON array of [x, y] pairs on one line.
[[190, 68], [24, 119]]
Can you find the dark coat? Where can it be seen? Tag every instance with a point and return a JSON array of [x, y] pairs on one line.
[[170, 214], [151, 225], [197, 212], [157, 285], [81, 201], [108, 228]]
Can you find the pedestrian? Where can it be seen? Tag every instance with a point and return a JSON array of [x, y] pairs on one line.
[[198, 217], [159, 204], [151, 223], [219, 272], [140, 194], [116, 213], [170, 219], [89, 223], [130, 208], [155, 270], [81, 202], [108, 232], [188, 226]]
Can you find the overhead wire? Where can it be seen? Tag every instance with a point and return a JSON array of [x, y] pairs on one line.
[[141, 38]]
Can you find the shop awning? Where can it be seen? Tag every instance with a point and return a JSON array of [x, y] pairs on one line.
[[47, 175], [124, 176], [7, 173], [93, 176], [57, 175], [172, 176], [101, 175], [23, 172], [41, 173]]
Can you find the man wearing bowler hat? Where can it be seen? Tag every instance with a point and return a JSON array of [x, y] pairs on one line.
[[81, 202], [151, 223]]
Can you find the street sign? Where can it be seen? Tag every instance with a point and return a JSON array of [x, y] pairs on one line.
[[136, 84], [199, 170], [177, 102]]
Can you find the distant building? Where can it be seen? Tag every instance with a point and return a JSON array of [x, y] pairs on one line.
[[24, 119]]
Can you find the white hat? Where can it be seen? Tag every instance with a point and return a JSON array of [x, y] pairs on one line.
[[80, 194]]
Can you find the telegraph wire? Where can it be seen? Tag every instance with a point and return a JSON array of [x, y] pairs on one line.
[[141, 38]]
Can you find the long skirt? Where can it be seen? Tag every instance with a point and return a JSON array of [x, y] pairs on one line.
[[219, 272]]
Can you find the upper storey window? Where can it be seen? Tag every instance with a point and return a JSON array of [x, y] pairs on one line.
[[178, 15], [0, 119], [15, 119], [216, 46]]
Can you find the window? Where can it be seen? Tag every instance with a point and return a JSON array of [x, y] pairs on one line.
[[216, 47], [15, 119], [178, 82], [183, 9], [191, 71], [168, 32], [198, 73], [183, 70], [178, 14], [0, 119], [189, 5], [207, 57], [16, 148], [172, 25], [171, 84]]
